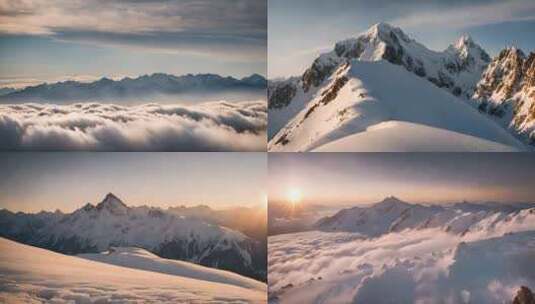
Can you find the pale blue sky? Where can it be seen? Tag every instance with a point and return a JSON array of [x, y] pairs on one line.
[[61, 39], [66, 181], [299, 30]]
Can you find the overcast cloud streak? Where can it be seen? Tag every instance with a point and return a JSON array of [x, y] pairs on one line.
[[223, 27]]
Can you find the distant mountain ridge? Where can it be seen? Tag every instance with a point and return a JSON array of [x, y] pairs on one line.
[[128, 88], [111, 223], [394, 215], [464, 70]]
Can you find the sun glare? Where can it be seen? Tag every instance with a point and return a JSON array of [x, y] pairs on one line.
[[294, 196]]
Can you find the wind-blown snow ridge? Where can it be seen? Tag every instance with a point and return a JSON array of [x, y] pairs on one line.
[[215, 126], [34, 275]]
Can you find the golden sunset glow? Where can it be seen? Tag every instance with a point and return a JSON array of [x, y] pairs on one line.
[[294, 196]]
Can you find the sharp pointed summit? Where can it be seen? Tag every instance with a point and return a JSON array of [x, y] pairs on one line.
[[113, 204]]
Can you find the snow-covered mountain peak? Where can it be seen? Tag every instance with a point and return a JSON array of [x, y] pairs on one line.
[[465, 41], [456, 70], [88, 207], [391, 201], [382, 30], [113, 204], [469, 52], [391, 215]]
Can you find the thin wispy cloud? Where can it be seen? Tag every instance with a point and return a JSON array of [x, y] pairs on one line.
[[204, 27], [468, 16]]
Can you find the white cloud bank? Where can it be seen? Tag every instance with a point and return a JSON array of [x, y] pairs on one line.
[[414, 266], [215, 126]]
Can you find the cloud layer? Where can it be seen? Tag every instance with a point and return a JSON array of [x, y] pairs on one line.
[[414, 266], [216, 126]]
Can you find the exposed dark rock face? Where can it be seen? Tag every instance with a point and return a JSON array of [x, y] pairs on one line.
[[281, 94], [507, 91], [503, 76], [524, 296], [318, 72]]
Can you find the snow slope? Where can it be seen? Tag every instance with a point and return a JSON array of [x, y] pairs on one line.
[[431, 265], [362, 94], [391, 136], [33, 275], [139, 258]]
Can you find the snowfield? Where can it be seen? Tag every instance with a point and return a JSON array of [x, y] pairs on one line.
[[361, 95], [486, 263], [142, 259], [213, 126], [33, 275], [392, 136]]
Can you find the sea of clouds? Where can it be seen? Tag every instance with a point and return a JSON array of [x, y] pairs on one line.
[[213, 126], [427, 266]]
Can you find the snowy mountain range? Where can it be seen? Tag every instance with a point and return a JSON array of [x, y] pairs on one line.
[[133, 88], [395, 215], [111, 223], [121, 275], [385, 85]]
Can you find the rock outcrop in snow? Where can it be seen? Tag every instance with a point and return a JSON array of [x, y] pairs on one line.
[[524, 296], [507, 92]]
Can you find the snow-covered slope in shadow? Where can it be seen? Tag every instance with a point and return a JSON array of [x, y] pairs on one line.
[[391, 136], [34, 275], [359, 95], [138, 258]]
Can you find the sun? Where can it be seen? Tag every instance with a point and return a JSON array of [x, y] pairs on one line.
[[294, 196]]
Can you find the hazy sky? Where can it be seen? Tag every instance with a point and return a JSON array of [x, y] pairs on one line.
[[49, 40], [66, 181], [354, 178], [299, 30]]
